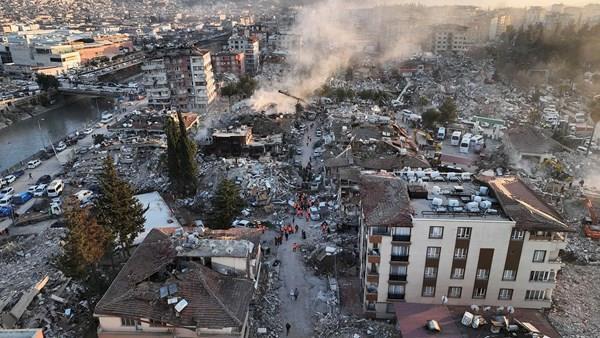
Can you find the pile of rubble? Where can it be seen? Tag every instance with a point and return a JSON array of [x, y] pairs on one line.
[[574, 313], [34, 292], [582, 250], [264, 310], [339, 326]]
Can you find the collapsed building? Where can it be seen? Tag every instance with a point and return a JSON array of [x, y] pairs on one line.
[[483, 240], [170, 285], [241, 140]]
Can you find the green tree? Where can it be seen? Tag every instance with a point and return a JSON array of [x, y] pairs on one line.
[[226, 205], [181, 161], [229, 90], [246, 86], [47, 81], [85, 244], [447, 111], [186, 153], [430, 117], [117, 210]]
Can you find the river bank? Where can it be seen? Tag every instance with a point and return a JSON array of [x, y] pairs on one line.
[[24, 111], [26, 137]]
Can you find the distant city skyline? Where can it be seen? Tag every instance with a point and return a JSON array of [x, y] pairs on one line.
[[488, 3]]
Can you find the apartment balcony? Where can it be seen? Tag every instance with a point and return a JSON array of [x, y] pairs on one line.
[[403, 258], [374, 256], [400, 238], [398, 278], [555, 260], [381, 231], [396, 296]]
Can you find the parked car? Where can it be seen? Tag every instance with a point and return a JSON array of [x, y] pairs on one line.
[[61, 146], [32, 188], [33, 164], [84, 196], [44, 180], [40, 190], [2, 182], [18, 173], [10, 178], [6, 211], [88, 131], [6, 200], [6, 191], [22, 198]]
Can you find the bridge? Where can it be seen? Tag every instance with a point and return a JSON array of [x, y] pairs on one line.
[[96, 90]]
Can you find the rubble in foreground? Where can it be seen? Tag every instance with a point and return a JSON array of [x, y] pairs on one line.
[[574, 313], [340, 326]]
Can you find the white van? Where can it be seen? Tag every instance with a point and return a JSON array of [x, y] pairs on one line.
[[441, 134], [464, 144], [106, 118], [33, 164], [55, 188], [455, 138], [477, 142]]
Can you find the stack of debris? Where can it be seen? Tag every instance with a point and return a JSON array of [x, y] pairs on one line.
[[264, 309], [340, 326], [34, 293]]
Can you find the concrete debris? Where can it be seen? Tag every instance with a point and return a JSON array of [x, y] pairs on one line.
[[26, 261], [264, 309], [340, 326]]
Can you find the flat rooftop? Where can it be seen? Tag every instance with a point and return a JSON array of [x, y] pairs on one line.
[[458, 199]]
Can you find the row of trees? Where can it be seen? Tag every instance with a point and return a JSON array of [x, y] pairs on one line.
[[245, 87], [102, 230], [340, 94], [181, 157], [446, 113]]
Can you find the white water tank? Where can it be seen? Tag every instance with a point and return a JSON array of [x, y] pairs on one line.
[[477, 199], [436, 190], [436, 201], [483, 191], [485, 204], [472, 207], [453, 203]]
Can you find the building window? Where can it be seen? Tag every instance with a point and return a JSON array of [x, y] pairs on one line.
[[505, 294], [399, 251], [463, 233], [436, 232], [398, 270], [458, 273], [390, 308], [479, 293], [541, 276], [433, 252], [371, 306], [129, 322], [517, 235], [454, 292], [509, 275], [430, 272], [396, 291], [482, 274], [460, 253], [428, 291], [379, 231], [535, 294], [539, 256]]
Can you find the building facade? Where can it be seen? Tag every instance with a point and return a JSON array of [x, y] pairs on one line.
[[451, 38], [181, 79], [250, 47], [229, 62], [437, 243]]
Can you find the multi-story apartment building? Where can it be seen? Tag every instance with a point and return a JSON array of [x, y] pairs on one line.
[[229, 62], [498, 25], [451, 38], [250, 47], [489, 241], [180, 78]]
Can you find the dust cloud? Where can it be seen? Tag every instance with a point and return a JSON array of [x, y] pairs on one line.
[[332, 33]]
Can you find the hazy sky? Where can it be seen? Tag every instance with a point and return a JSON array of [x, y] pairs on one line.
[[490, 3]]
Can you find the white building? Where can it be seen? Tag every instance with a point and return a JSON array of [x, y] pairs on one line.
[[180, 78], [498, 25], [494, 243], [250, 47], [451, 38], [36, 51]]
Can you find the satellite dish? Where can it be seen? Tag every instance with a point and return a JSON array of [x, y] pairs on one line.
[[510, 309], [474, 308], [444, 300]]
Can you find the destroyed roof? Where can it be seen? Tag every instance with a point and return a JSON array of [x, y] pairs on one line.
[[157, 215], [392, 162], [21, 333], [214, 300], [385, 200], [527, 139], [217, 248], [523, 205]]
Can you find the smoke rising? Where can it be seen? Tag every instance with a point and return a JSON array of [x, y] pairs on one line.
[[331, 35]]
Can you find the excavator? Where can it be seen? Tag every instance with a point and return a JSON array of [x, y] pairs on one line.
[[309, 115]]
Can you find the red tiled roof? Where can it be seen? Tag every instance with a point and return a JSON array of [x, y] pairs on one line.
[[385, 201], [214, 300]]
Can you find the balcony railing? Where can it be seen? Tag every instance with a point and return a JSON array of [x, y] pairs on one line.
[[374, 252], [372, 272], [401, 278], [395, 296], [380, 231], [401, 238], [403, 258]]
